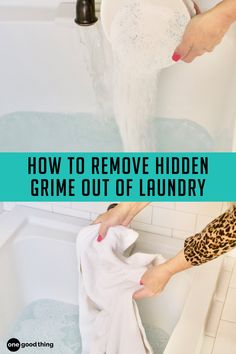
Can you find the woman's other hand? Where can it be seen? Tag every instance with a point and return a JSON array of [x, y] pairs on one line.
[[156, 278], [153, 281], [205, 31]]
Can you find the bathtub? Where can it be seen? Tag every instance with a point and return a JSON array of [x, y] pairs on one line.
[[38, 261], [49, 65]]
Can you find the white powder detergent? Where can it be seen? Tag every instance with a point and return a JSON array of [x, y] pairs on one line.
[[143, 35]]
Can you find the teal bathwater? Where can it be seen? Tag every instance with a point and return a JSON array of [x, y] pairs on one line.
[[37, 131], [57, 322]]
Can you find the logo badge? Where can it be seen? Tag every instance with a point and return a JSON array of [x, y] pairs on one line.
[[13, 345]]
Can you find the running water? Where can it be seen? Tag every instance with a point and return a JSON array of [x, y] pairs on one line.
[[143, 38], [134, 97]]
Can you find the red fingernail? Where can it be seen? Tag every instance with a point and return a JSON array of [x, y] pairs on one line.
[[176, 57], [141, 282], [99, 239]]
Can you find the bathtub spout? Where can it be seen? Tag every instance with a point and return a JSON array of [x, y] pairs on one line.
[[85, 12]]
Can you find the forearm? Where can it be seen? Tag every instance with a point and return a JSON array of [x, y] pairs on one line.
[[227, 10], [155, 278], [133, 208], [177, 264]]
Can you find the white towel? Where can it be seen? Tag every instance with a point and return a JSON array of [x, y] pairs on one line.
[[109, 317]]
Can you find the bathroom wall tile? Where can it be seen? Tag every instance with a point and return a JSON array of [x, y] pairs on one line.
[[38, 205], [165, 205], [225, 206], [174, 219], [229, 263], [202, 222], [229, 311], [233, 277], [145, 215], [154, 229], [234, 139], [99, 208], [207, 345], [214, 318], [209, 209], [225, 342], [232, 253], [159, 218], [71, 212], [62, 204], [181, 234], [222, 285]]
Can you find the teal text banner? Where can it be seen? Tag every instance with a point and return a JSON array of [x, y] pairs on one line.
[[93, 177]]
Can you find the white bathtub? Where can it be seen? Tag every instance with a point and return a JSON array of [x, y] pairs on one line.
[[38, 261], [44, 68]]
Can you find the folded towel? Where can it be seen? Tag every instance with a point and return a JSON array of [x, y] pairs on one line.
[[109, 318]]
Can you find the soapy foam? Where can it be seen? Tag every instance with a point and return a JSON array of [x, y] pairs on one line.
[[57, 322]]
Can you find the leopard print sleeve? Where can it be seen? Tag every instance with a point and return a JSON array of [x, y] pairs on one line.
[[216, 239]]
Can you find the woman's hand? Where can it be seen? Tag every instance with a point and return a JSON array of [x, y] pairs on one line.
[[205, 31], [156, 278], [116, 216], [153, 281], [122, 214]]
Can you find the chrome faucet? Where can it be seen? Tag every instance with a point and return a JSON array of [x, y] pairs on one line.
[[85, 13]]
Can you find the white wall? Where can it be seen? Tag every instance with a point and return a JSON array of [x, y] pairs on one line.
[[177, 220], [234, 142]]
